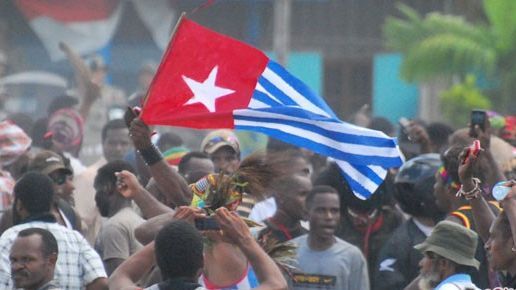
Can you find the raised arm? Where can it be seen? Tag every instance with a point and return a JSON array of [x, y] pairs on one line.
[[167, 179], [509, 206], [419, 134], [482, 213], [493, 172], [129, 187], [146, 232], [133, 269], [235, 231], [88, 90]]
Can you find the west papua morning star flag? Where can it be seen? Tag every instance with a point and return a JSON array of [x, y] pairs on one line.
[[208, 80]]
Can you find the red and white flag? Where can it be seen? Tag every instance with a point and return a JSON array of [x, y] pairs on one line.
[[209, 76]]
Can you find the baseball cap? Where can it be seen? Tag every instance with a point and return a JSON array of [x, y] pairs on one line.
[[47, 162], [453, 242], [220, 138]]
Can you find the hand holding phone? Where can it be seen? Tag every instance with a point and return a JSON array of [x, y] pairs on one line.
[[206, 224], [473, 150]]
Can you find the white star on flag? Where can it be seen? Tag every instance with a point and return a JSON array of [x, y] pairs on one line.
[[206, 92]]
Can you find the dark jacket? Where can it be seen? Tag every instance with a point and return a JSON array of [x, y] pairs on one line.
[[390, 220], [398, 261]]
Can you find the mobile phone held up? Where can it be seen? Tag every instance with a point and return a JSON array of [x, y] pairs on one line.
[[478, 118], [206, 224]]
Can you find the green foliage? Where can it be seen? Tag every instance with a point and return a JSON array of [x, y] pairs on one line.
[[438, 45], [458, 101], [502, 17]]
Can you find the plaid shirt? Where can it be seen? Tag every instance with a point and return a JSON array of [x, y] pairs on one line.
[[77, 263]]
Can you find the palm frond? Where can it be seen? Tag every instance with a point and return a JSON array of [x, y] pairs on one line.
[[403, 35], [446, 54]]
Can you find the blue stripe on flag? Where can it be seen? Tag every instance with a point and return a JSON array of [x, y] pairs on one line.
[[262, 97], [300, 87], [357, 188], [273, 90], [340, 137], [321, 148], [369, 173]]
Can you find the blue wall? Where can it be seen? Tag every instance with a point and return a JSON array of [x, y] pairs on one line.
[[392, 97]]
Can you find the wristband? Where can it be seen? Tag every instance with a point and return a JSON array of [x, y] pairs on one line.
[[151, 155], [472, 194]]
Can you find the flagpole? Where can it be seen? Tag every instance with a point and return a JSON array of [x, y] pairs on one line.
[[173, 33]]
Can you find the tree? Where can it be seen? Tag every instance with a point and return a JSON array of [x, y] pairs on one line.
[[440, 45]]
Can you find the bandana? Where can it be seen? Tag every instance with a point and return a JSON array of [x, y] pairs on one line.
[[173, 155]]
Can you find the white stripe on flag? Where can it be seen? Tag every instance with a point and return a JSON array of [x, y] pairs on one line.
[[363, 180], [288, 90], [260, 88], [255, 104], [363, 150], [338, 127]]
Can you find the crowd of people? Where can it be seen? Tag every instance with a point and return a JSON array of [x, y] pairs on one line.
[[146, 212]]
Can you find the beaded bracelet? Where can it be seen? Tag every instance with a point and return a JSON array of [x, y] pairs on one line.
[[472, 194], [151, 155]]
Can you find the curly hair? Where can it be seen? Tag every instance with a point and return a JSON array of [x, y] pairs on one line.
[[35, 191], [179, 250]]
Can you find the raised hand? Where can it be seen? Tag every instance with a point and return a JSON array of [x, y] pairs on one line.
[[128, 184], [466, 167], [189, 214], [141, 134], [419, 135], [234, 229]]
